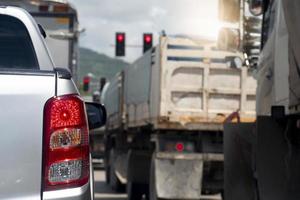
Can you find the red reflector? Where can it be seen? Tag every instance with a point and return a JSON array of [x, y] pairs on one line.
[[66, 143], [179, 147]]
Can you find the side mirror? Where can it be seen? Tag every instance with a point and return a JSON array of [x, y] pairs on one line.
[[228, 39], [96, 114], [256, 7]]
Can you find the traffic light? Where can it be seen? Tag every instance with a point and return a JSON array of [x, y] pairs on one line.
[[86, 83], [147, 41], [120, 44]]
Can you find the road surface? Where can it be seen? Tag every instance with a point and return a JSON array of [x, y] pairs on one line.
[[103, 191]]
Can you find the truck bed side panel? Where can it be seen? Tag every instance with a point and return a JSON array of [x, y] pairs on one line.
[[137, 90], [198, 87], [113, 102]]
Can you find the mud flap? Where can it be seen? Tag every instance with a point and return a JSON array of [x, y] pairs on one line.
[[278, 159], [272, 148], [239, 177], [180, 176], [121, 167]]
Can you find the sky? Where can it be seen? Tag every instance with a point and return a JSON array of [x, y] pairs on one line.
[[102, 18]]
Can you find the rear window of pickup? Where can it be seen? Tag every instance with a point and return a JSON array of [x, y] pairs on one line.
[[16, 48]]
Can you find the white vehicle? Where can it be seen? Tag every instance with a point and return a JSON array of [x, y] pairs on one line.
[[165, 118], [271, 145]]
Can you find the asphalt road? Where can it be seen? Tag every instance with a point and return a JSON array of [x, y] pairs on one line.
[[102, 190]]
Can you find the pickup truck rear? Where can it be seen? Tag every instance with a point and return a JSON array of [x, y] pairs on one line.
[[44, 148]]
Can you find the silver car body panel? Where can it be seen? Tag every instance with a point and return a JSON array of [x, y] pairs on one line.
[[22, 100], [69, 194], [65, 86]]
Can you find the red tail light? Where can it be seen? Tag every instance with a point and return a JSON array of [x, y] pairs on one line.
[[66, 143]]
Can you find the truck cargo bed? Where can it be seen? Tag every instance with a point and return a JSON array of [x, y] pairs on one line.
[[183, 83]]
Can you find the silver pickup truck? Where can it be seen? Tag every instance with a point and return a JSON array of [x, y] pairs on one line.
[[44, 145]]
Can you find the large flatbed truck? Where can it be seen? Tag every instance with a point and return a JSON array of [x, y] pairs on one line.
[[164, 134]]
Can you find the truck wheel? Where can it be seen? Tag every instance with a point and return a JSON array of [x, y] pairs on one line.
[[107, 166], [135, 191], [107, 172], [152, 184], [114, 182]]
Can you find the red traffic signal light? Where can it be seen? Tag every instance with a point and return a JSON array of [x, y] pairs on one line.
[[120, 44], [148, 38], [147, 41], [86, 83], [120, 37]]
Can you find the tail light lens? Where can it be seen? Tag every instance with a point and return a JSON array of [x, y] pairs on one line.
[[66, 143]]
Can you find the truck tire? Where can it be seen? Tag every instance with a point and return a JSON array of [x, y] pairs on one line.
[[107, 172], [135, 191], [138, 170], [106, 162], [114, 182]]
